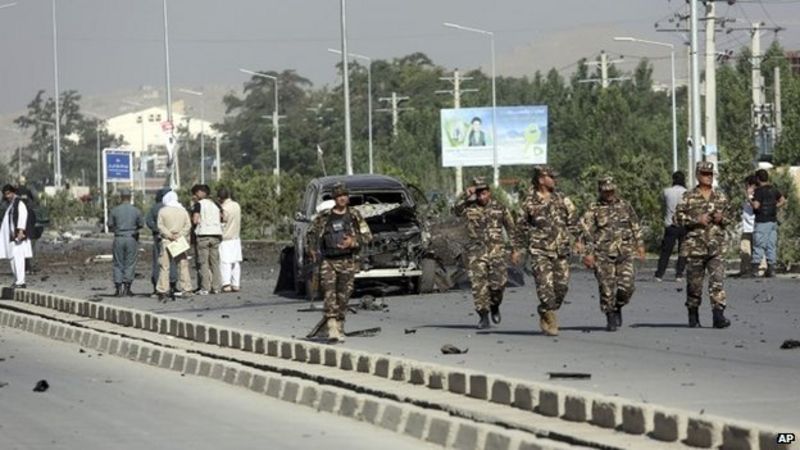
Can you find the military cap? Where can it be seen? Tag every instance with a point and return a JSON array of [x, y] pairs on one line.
[[339, 189], [124, 192], [704, 166], [606, 184], [480, 184], [540, 171]]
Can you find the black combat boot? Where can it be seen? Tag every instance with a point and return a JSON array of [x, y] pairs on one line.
[[611, 319], [719, 319], [694, 318], [483, 323], [770, 272], [619, 317], [754, 268], [127, 290], [494, 307], [118, 292]]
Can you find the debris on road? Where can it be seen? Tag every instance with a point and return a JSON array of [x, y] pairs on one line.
[[449, 349], [368, 332], [41, 386], [3, 384], [790, 344], [410, 331], [569, 375], [370, 303]]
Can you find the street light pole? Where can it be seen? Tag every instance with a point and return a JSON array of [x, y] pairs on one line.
[[495, 162], [674, 109], [275, 126], [696, 136], [175, 181], [202, 132], [57, 156], [348, 139], [369, 97]]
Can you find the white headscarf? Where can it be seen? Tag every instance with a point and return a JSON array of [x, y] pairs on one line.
[[171, 199]]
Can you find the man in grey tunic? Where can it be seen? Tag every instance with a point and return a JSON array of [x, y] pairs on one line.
[[125, 220]]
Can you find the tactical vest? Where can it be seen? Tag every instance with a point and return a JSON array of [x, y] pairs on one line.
[[337, 227]]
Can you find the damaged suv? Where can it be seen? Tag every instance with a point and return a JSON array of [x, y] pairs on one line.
[[398, 254]]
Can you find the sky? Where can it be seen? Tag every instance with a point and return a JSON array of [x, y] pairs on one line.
[[107, 46]]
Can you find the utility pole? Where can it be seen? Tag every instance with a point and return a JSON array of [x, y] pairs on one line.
[[456, 92], [690, 125], [710, 153], [778, 111], [695, 97], [348, 140], [394, 101], [604, 62], [218, 162]]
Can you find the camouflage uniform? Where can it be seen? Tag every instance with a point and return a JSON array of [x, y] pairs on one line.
[[704, 244], [545, 228], [612, 234], [486, 252], [337, 272]]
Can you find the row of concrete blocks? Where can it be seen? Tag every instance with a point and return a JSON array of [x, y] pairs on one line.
[[434, 427], [659, 423]]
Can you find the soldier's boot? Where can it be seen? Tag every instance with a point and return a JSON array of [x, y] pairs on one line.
[[694, 318], [719, 319], [611, 321], [548, 322], [118, 292], [754, 268], [483, 322], [340, 327], [494, 307], [126, 290], [618, 317], [770, 272], [334, 335]]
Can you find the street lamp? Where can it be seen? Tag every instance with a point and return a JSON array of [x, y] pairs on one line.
[[369, 95], [202, 132], [674, 110], [275, 125], [57, 101], [348, 140], [495, 165], [98, 121]]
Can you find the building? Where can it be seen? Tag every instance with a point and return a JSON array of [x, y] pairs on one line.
[[794, 61]]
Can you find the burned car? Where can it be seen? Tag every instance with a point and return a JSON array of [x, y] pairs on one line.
[[398, 254]]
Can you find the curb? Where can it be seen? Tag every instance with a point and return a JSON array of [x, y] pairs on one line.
[[659, 423]]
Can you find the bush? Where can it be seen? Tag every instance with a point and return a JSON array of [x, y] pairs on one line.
[[789, 220]]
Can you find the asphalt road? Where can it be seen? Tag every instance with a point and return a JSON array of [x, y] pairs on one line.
[[103, 402], [739, 372]]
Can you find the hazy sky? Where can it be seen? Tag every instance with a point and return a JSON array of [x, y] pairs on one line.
[[108, 45]]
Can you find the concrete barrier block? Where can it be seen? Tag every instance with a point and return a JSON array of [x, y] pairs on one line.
[[286, 350], [274, 387], [331, 357], [173, 327], [370, 411], [436, 379], [204, 370], [391, 418], [290, 391], [349, 406], [467, 437], [258, 383], [739, 437], [417, 375], [606, 413], [247, 342], [577, 408], [399, 372], [193, 367], [113, 343], [309, 396], [138, 320], [166, 360], [213, 335], [415, 424], [163, 327], [457, 382], [438, 432], [478, 387], [230, 375], [382, 367], [236, 339], [243, 378], [501, 392], [181, 331], [224, 337], [637, 419], [703, 433], [497, 441], [199, 331], [155, 357], [103, 347], [300, 353], [272, 347], [147, 319], [364, 364], [218, 371], [178, 363], [85, 338], [133, 351], [315, 355], [669, 426], [551, 404], [346, 361], [260, 345], [328, 401]]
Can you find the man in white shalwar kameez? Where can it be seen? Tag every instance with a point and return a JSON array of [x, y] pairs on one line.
[[230, 249], [14, 243]]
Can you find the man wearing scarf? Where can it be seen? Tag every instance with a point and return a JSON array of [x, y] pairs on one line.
[[173, 223]]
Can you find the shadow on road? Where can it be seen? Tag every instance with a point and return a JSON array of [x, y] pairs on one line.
[[660, 325]]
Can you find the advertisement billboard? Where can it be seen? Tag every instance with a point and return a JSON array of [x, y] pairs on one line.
[[467, 136]]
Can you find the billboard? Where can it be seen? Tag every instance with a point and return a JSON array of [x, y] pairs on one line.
[[118, 165], [467, 136]]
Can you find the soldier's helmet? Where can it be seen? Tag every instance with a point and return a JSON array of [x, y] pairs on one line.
[[480, 184], [542, 170], [704, 166], [605, 184], [339, 189]]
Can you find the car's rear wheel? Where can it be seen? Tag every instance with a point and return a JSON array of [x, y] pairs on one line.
[[426, 282]]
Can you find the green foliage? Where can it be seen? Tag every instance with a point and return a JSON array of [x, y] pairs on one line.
[[62, 209], [789, 218]]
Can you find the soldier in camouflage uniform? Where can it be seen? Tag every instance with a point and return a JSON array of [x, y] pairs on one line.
[[334, 238], [705, 213], [487, 251], [546, 227], [611, 236]]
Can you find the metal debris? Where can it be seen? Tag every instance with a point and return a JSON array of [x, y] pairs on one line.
[[41, 386], [449, 349], [569, 375], [790, 344]]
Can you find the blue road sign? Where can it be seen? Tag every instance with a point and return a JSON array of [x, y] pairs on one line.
[[119, 165]]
